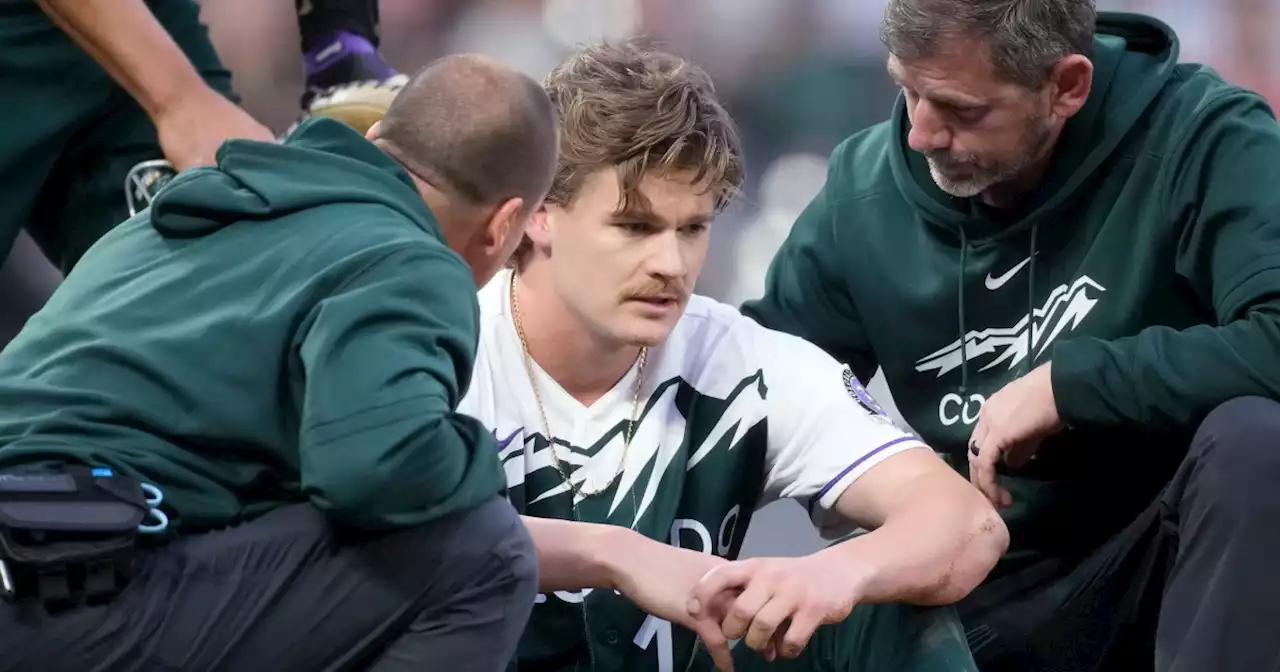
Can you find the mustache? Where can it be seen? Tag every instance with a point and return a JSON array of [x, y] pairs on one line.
[[656, 290], [951, 160]]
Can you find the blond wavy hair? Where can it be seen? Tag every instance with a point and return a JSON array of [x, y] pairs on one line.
[[640, 111]]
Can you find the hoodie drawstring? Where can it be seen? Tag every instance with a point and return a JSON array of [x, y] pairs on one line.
[[1031, 303], [1031, 309], [964, 333]]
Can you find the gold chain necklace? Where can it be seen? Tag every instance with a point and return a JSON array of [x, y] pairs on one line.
[[546, 427]]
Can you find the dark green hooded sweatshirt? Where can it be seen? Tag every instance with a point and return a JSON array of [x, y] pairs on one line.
[[289, 325], [1146, 267]]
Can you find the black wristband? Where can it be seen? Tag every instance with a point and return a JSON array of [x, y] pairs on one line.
[[321, 20]]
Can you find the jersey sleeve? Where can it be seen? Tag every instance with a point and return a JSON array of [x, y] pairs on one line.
[[825, 429]]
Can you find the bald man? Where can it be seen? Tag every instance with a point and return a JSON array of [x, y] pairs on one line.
[[260, 375]]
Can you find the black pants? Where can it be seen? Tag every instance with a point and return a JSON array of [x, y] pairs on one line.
[[288, 592], [1189, 586]]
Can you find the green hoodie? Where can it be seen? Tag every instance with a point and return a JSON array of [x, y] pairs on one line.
[[286, 326], [1148, 263]]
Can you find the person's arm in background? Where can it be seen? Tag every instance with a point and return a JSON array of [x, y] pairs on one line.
[[129, 43], [805, 292], [385, 360], [1222, 189]]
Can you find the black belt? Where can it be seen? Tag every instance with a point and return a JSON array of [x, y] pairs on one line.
[[68, 534]]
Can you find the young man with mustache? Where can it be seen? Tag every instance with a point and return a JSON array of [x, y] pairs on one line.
[[641, 425]]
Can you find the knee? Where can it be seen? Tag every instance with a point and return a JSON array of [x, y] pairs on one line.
[[516, 551], [496, 539], [485, 546], [897, 636], [1235, 446]]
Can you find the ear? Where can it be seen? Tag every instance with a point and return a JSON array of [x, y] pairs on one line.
[[373, 132], [539, 229], [1070, 82], [505, 228]]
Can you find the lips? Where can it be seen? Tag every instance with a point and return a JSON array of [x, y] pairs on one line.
[[656, 300]]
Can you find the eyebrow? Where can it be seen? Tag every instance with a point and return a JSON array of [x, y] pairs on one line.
[[952, 99], [648, 216]]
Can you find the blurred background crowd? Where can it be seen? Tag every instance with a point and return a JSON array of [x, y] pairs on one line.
[[798, 75]]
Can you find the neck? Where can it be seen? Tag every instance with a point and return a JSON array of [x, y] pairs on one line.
[[1010, 193], [582, 364], [446, 214]]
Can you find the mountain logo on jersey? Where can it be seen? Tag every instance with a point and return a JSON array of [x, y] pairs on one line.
[[678, 429], [860, 394], [1067, 306]]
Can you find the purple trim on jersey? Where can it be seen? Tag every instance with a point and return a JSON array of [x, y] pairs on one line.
[[858, 463]]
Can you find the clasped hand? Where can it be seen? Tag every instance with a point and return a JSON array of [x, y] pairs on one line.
[[773, 604]]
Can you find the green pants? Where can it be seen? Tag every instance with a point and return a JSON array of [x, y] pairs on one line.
[[70, 134], [875, 638]]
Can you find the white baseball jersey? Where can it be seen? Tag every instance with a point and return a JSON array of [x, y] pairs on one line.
[[732, 416]]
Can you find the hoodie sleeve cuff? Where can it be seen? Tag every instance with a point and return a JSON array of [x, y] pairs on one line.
[[1079, 376]]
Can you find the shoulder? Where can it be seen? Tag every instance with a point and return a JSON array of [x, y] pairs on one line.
[[381, 246], [859, 167], [425, 265], [1197, 98], [1192, 86], [715, 346]]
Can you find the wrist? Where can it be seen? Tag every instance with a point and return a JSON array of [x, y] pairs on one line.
[[849, 565], [178, 87], [610, 546]]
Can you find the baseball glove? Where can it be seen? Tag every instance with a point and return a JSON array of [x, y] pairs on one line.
[[357, 104]]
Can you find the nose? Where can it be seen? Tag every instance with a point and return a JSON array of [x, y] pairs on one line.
[[668, 259], [928, 132]]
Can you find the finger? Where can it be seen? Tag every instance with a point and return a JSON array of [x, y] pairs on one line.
[[1020, 454], [982, 470], [767, 620], [721, 578], [716, 643], [976, 440], [804, 623], [745, 608], [1006, 499], [719, 606]]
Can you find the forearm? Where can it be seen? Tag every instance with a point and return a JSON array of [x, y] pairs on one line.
[[937, 548], [574, 555], [402, 473], [1161, 377], [131, 45]]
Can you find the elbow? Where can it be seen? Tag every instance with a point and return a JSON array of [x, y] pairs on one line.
[[984, 542], [401, 474], [346, 497]]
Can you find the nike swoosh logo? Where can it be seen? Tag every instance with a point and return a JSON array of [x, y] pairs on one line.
[[503, 443], [998, 282]]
